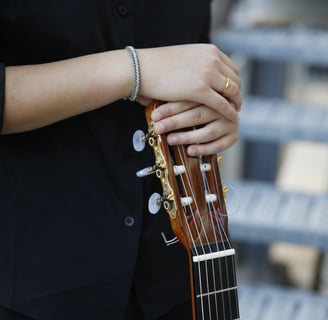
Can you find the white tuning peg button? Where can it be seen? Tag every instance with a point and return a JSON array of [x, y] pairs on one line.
[[145, 172], [154, 203], [139, 140]]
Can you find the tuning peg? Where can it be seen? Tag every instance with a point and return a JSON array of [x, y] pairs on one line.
[[186, 201], [154, 203], [139, 140], [210, 198], [179, 169], [232, 200], [145, 172], [204, 167]]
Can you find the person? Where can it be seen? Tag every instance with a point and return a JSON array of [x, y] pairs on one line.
[[76, 238]]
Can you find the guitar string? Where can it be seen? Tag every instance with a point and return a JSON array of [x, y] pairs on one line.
[[209, 263], [220, 266], [219, 185], [198, 232], [195, 219], [217, 225], [207, 191]]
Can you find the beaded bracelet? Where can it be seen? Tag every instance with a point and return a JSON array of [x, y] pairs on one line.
[[137, 77]]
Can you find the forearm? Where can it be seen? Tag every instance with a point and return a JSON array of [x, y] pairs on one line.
[[38, 95]]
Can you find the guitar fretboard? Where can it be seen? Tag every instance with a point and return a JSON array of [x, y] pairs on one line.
[[215, 285]]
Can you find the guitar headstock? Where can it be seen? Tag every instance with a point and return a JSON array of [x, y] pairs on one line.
[[193, 194], [194, 198]]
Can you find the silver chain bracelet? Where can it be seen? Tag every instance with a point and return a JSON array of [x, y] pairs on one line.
[[137, 77]]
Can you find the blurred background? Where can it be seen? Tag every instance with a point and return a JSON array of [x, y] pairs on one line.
[[277, 173]]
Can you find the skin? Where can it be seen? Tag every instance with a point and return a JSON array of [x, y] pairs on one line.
[[190, 78]]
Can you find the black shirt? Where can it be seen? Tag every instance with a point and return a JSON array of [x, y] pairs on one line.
[[73, 214]]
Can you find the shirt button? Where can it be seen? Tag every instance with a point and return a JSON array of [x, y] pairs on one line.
[[122, 9], [129, 221]]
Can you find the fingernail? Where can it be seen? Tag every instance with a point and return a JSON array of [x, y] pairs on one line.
[[192, 151], [158, 127], [155, 115], [172, 139]]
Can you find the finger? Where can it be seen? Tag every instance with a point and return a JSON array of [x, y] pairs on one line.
[[213, 147], [189, 118], [205, 135], [228, 72], [230, 90], [228, 61], [171, 108], [221, 104]]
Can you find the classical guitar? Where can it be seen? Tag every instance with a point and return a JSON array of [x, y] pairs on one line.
[[194, 198]]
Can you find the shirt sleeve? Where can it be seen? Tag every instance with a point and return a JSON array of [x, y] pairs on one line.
[[2, 93], [205, 34]]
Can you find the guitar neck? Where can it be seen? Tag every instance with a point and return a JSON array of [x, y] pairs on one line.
[[214, 279]]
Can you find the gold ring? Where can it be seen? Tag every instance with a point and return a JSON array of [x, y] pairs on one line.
[[227, 85]]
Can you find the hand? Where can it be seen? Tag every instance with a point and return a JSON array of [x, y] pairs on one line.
[[195, 72], [213, 133]]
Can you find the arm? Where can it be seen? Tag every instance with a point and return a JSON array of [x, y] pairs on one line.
[[37, 95]]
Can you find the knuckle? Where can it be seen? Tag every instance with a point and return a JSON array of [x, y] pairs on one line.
[[224, 107], [234, 89], [213, 48], [198, 115], [212, 132], [172, 124], [238, 82], [168, 110]]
